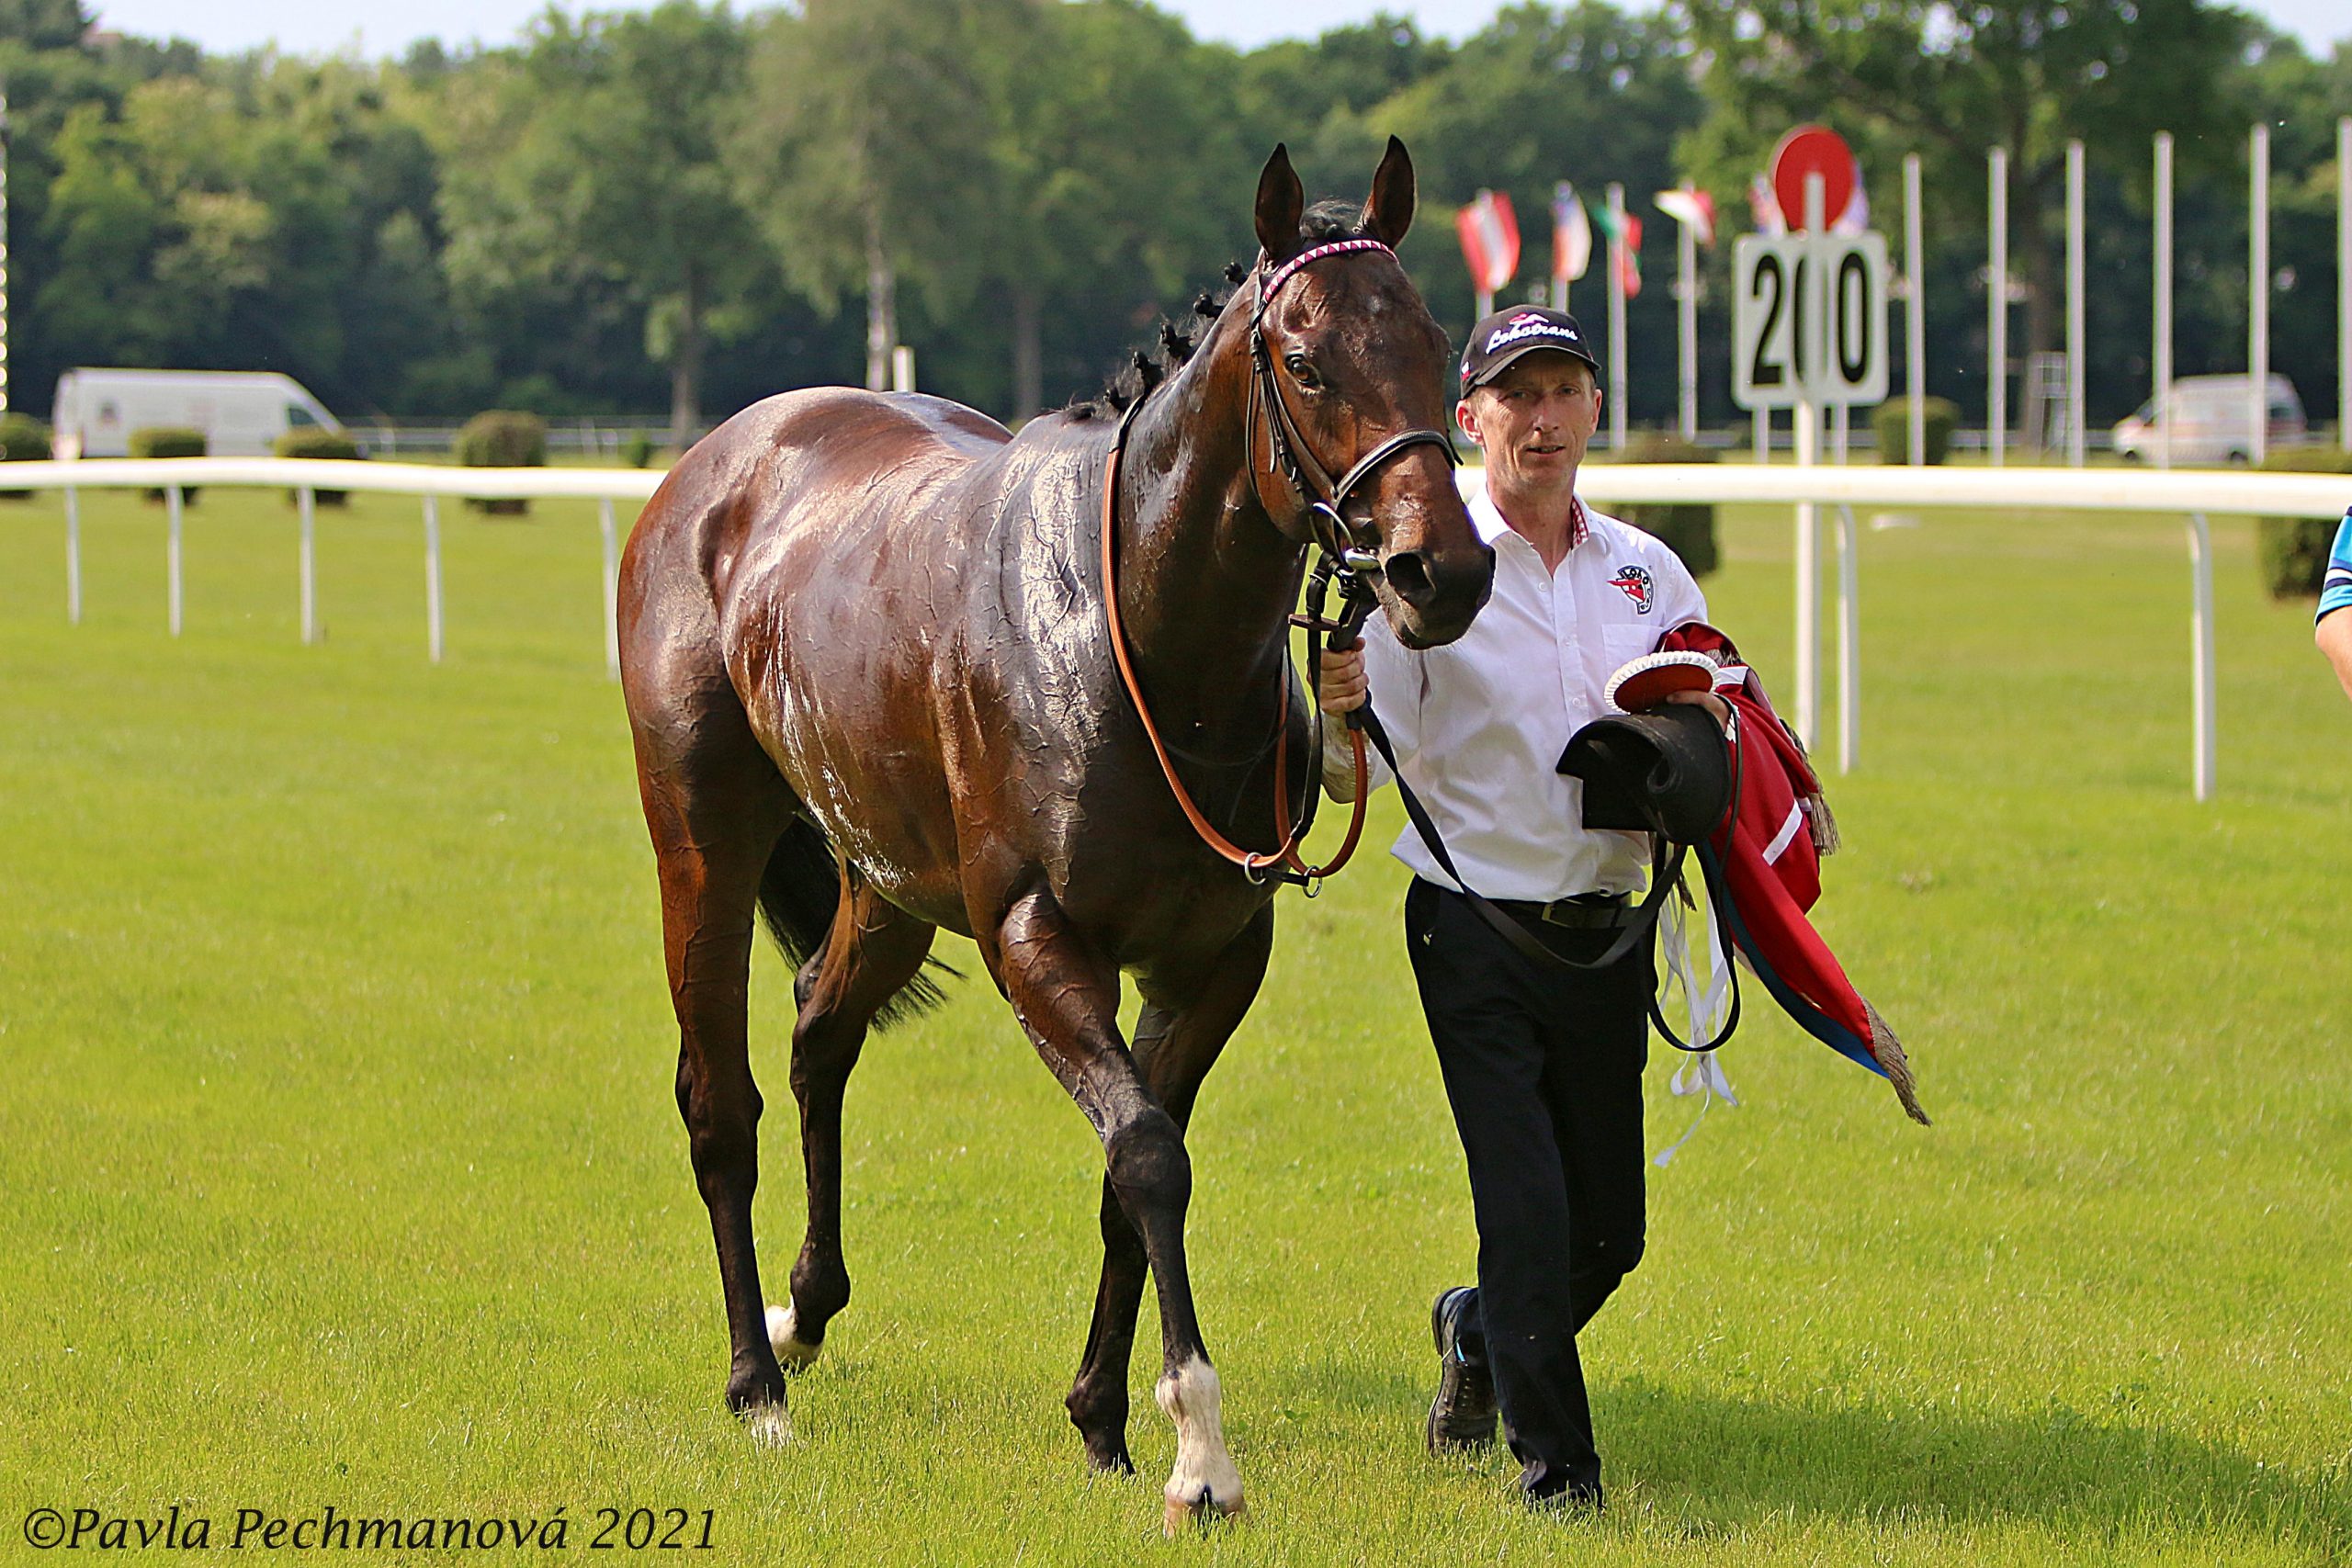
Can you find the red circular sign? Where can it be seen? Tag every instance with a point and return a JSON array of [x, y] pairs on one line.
[[1812, 150]]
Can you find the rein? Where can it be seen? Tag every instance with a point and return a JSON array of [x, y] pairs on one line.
[[1342, 557]]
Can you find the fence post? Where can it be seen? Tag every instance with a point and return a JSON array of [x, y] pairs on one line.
[[612, 589], [171, 551], [307, 500], [1849, 642], [2201, 638], [73, 557], [433, 578]]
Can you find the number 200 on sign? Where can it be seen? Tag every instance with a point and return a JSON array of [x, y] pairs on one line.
[[1809, 319]]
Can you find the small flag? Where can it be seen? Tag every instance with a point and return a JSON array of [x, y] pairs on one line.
[[1571, 234], [1624, 232], [1694, 208], [1765, 208], [1489, 231]]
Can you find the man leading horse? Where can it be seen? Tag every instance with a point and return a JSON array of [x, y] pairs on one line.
[[1543, 1067]]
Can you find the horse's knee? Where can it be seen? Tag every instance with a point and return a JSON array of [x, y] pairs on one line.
[[1148, 1166], [722, 1130]]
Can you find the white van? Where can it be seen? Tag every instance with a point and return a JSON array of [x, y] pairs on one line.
[[241, 413], [2212, 422]]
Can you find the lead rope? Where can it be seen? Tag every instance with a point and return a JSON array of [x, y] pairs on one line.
[[1284, 863]]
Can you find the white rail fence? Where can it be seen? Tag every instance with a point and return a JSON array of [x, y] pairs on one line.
[[2192, 495]]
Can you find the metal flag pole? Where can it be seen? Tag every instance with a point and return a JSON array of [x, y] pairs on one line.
[[1996, 308], [2257, 290], [1687, 358], [1915, 316], [2162, 362], [2344, 283], [2075, 436], [3, 251], [1616, 317]]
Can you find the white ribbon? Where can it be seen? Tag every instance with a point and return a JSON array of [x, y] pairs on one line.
[[1708, 1011]]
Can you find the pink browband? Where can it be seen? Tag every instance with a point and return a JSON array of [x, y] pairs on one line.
[[1281, 273]]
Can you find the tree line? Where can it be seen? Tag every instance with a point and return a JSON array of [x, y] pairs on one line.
[[689, 208]]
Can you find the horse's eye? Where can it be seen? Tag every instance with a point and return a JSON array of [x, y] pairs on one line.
[[1302, 372]]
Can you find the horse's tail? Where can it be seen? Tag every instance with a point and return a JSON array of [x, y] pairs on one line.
[[800, 894]]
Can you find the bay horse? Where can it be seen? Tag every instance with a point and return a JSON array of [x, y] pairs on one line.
[[874, 693]]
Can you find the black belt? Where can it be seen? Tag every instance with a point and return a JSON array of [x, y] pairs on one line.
[[1586, 911]]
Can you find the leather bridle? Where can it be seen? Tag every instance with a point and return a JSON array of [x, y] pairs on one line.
[[1345, 557], [1288, 454]]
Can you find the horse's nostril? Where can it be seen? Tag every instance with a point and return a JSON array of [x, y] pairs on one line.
[[1410, 575]]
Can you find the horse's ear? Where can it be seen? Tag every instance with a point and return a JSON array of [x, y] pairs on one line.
[[1389, 210], [1281, 202]]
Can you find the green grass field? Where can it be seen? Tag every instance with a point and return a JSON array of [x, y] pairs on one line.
[[340, 1166]]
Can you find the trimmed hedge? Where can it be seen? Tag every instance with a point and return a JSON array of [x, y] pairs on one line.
[[2290, 553], [1688, 528], [169, 441], [503, 438], [317, 441], [639, 449], [1892, 419], [23, 439]]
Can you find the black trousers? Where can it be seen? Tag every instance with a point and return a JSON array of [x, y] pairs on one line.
[[1543, 1070]]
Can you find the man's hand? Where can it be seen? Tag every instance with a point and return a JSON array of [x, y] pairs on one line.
[[1708, 700], [1344, 688]]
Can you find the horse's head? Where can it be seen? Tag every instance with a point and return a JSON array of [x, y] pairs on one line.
[[1350, 393]]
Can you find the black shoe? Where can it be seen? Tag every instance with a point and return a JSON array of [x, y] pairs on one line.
[[1462, 1415], [1548, 1493], [1568, 1502]]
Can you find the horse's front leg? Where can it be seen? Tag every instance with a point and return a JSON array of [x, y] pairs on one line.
[[1068, 1001], [1184, 1027]]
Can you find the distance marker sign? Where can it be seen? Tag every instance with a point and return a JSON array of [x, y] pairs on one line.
[[1809, 319]]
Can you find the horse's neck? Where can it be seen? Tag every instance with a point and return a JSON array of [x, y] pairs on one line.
[[1206, 582]]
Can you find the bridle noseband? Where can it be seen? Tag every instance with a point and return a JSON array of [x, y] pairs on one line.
[[1343, 558], [1288, 454]]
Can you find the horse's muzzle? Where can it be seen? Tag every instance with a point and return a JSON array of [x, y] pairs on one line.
[[1441, 590]]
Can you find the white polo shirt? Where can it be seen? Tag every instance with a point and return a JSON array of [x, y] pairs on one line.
[[1479, 724]]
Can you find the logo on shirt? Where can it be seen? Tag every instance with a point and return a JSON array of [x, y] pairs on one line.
[[1635, 582]]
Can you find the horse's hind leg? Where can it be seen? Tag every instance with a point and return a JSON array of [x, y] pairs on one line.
[[1178, 1039], [1068, 999], [716, 807], [874, 949]]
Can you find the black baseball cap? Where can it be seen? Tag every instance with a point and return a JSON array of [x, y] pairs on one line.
[[1507, 336]]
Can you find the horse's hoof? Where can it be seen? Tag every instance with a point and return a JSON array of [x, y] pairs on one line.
[[769, 1425], [1198, 1512], [792, 1352], [1110, 1460]]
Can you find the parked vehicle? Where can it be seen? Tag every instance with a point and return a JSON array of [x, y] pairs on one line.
[[241, 413], [2212, 422]]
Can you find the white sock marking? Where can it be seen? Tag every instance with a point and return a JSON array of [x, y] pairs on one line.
[[784, 1337], [1203, 1483]]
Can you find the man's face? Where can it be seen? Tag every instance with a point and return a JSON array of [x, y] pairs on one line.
[[1534, 420]]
